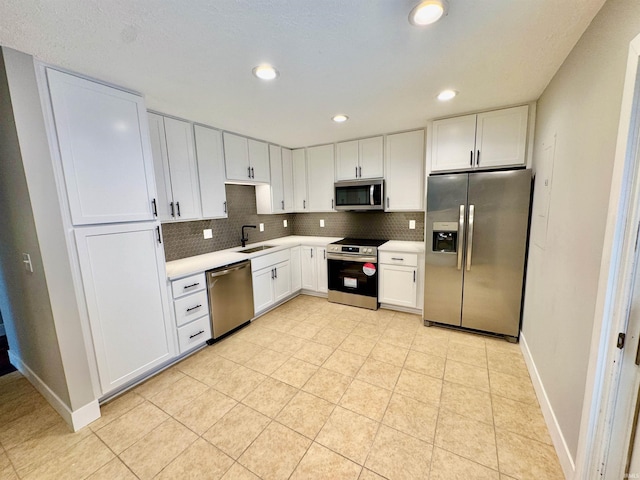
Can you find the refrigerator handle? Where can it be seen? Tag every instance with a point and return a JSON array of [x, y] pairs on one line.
[[470, 236], [460, 236]]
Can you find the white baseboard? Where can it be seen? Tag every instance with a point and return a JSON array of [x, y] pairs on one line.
[[564, 455], [398, 308], [76, 419]]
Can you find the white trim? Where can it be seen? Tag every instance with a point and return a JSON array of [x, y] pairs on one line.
[[399, 308], [77, 419], [614, 290], [559, 442]]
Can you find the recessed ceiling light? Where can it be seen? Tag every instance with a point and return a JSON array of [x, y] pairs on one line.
[[265, 72], [445, 95], [427, 12], [340, 118]]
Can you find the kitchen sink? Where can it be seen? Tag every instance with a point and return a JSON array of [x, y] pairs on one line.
[[256, 249]]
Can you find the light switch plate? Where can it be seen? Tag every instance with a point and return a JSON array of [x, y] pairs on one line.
[[284, 223], [322, 223], [262, 227], [208, 233], [412, 224], [26, 259]]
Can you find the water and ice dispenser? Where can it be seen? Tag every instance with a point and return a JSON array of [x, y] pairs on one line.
[[445, 237]]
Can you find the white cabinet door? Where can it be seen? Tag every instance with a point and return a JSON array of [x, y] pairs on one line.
[[501, 137], [321, 255], [236, 157], [282, 281], [183, 169], [320, 170], [405, 171], [371, 153], [300, 200], [259, 161], [106, 157], [398, 285], [296, 269], [277, 185], [287, 180], [124, 281], [347, 160], [453, 143], [309, 269], [262, 289], [211, 172], [164, 197]]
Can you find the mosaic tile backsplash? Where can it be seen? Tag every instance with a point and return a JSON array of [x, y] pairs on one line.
[[185, 239]]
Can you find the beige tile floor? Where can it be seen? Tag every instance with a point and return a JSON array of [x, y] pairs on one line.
[[312, 390]]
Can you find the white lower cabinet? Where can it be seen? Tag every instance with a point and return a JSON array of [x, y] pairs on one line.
[[314, 269], [271, 279], [296, 269], [125, 288], [191, 309], [399, 279]]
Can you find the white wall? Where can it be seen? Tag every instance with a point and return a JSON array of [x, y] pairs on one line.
[[581, 108], [46, 332]]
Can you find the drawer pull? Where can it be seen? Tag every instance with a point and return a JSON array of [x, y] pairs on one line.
[[193, 308], [192, 285], [196, 334], [397, 258]]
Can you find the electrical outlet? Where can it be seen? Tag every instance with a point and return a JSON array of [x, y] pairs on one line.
[[284, 223], [26, 259], [208, 233], [412, 224], [322, 223], [262, 227]]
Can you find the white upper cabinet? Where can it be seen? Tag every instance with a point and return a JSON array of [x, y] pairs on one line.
[[404, 181], [320, 171], [246, 160], [210, 158], [102, 136], [484, 140], [278, 196], [175, 168], [300, 192], [360, 159]]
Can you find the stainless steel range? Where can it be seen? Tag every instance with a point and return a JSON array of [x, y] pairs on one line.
[[353, 272]]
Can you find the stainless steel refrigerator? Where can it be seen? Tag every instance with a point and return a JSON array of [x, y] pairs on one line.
[[476, 237]]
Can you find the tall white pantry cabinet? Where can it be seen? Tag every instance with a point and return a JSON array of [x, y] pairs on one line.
[[108, 176]]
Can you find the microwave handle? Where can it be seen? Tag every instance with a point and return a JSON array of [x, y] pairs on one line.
[[371, 194]]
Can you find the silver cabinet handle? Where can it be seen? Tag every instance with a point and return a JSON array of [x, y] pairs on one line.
[[324, 254], [178, 208], [311, 252], [332, 204], [360, 172], [155, 207], [471, 158], [400, 259], [193, 308], [173, 213], [192, 285], [253, 175], [196, 334], [272, 274], [275, 271], [304, 204], [283, 204], [224, 205], [159, 236], [356, 172], [478, 159], [470, 236], [460, 234], [249, 172], [414, 276]]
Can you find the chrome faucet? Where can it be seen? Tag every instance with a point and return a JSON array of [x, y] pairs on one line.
[[244, 239]]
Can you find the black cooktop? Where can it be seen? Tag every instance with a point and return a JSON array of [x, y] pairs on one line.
[[362, 242]]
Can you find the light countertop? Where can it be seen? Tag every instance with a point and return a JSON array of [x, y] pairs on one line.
[[402, 246], [200, 263]]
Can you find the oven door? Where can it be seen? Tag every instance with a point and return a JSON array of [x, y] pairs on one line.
[[354, 275]]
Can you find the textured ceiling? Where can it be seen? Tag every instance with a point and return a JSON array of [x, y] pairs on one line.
[[193, 58]]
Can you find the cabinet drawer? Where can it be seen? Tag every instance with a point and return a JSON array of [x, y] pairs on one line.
[[399, 258], [269, 260], [187, 285], [191, 307], [194, 334]]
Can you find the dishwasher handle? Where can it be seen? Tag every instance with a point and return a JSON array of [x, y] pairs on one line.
[[219, 273]]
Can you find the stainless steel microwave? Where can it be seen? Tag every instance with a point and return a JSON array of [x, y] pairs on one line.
[[360, 195]]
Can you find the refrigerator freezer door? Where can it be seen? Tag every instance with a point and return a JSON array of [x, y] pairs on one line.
[[446, 200], [496, 254]]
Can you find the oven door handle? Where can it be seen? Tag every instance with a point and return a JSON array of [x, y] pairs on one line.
[[351, 258]]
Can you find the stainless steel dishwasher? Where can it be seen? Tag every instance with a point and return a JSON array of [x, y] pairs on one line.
[[230, 297]]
